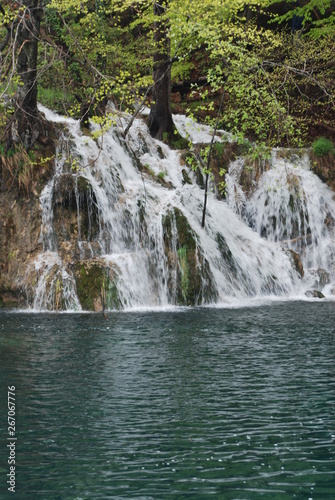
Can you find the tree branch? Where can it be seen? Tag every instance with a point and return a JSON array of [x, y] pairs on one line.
[[5, 41], [209, 159]]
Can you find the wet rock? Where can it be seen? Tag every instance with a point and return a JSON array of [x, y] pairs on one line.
[[324, 168], [20, 227], [75, 209], [315, 293], [296, 262], [186, 178], [96, 285], [321, 277], [190, 281], [10, 300]]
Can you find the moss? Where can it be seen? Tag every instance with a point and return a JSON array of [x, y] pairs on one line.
[[175, 140], [324, 168], [186, 235], [323, 147], [112, 296], [184, 270], [89, 281], [95, 287], [219, 148], [83, 185], [234, 273], [160, 177]]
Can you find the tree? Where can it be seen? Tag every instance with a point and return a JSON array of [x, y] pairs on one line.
[[22, 37], [160, 118], [28, 34], [129, 51]]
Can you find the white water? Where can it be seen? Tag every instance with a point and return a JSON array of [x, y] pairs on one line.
[[131, 206], [290, 206]]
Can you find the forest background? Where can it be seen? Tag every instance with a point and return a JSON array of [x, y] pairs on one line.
[[269, 64]]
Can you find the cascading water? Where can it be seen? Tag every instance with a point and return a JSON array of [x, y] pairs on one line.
[[54, 283], [291, 206], [121, 228]]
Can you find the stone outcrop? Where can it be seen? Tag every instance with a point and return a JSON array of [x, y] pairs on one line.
[[190, 279], [324, 167], [20, 226], [316, 294]]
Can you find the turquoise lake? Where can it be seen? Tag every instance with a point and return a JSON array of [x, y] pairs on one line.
[[186, 404]]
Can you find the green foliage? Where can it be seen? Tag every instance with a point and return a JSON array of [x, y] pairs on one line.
[[322, 147], [318, 17], [161, 175], [182, 70], [219, 148], [276, 88]]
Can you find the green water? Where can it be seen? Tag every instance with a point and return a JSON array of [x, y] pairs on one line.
[[204, 403]]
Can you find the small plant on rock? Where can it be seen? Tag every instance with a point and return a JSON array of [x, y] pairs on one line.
[[322, 147]]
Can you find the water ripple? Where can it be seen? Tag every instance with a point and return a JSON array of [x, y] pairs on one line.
[[231, 404]]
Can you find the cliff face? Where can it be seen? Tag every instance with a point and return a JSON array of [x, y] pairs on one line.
[[23, 175], [20, 226], [324, 168]]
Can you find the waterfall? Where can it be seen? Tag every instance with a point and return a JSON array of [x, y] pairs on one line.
[[121, 228], [290, 205]]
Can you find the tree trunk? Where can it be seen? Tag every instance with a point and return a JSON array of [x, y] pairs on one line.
[[160, 118], [27, 123]]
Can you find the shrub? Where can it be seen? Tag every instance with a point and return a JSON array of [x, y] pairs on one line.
[[322, 146]]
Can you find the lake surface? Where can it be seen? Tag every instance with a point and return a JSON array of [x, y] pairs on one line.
[[191, 404]]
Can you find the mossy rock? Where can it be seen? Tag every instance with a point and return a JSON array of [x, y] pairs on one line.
[[175, 140], [11, 299], [223, 153], [96, 288], [186, 235], [190, 280], [233, 272]]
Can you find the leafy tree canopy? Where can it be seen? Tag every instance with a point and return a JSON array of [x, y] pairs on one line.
[[279, 88]]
